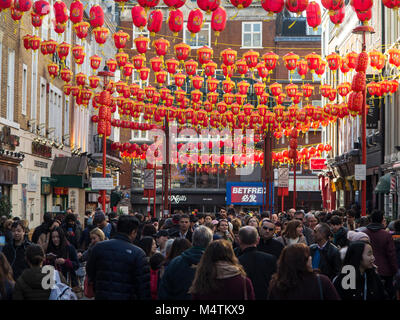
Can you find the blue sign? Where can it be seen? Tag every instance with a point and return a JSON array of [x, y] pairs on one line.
[[245, 193]]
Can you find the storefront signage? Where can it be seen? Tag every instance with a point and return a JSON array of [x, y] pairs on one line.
[[46, 185], [149, 179], [41, 150], [283, 177], [102, 184], [7, 139], [305, 185], [249, 193], [177, 198], [8, 175], [40, 164], [317, 164], [32, 182]]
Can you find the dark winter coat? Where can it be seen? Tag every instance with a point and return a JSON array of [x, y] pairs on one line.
[[309, 235], [330, 263], [179, 275], [232, 288], [119, 270], [176, 234], [29, 286], [340, 238], [74, 236], [396, 240], [70, 266], [384, 249], [271, 246], [8, 290], [259, 267], [375, 288], [307, 289], [43, 228], [16, 257]]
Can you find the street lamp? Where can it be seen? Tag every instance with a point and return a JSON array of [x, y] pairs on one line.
[[363, 30], [106, 74]]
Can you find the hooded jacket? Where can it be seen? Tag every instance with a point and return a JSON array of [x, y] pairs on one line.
[[29, 286], [16, 257], [173, 287], [384, 249], [119, 270]]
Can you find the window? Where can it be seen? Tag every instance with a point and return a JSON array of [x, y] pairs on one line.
[[42, 111], [24, 87], [55, 110], [295, 76], [311, 32], [66, 120], [252, 34], [137, 32], [202, 38], [10, 85], [34, 85]]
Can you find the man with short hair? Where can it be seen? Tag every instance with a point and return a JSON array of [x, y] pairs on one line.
[[384, 250], [267, 242], [200, 218], [43, 228], [325, 256], [259, 266], [100, 222], [339, 232], [72, 230], [223, 214], [311, 221], [118, 268], [161, 239], [291, 213], [307, 232], [179, 274], [184, 231], [351, 219]]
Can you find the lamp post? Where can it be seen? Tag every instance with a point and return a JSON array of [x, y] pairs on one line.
[[363, 30], [106, 74]]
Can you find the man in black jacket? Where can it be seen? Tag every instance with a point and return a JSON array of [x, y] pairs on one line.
[[184, 231], [44, 227], [259, 266], [267, 244], [117, 268], [325, 256]]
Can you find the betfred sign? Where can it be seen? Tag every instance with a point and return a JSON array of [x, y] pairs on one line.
[[248, 193], [317, 164]]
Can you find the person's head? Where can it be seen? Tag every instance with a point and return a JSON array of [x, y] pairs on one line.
[[248, 237], [267, 229], [351, 216], [274, 218], [278, 228], [96, 235], [322, 232], [58, 238], [291, 213], [178, 246], [99, 219], [360, 255], [128, 226], [336, 223], [148, 244], [208, 218], [140, 217], [200, 218], [7, 224], [48, 218], [156, 261], [236, 225], [253, 222], [202, 236], [184, 223], [293, 264], [299, 215], [70, 220], [223, 226], [161, 238], [149, 230], [311, 220], [293, 230], [211, 226], [168, 247], [223, 214], [34, 255], [207, 271], [69, 211], [18, 231], [377, 216]]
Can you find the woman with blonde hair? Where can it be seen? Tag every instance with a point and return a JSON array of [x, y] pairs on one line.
[[292, 234], [220, 276]]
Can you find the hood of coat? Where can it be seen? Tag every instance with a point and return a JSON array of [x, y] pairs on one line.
[[33, 277], [375, 227], [192, 255]]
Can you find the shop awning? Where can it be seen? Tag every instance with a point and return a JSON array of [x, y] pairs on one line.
[[383, 185], [69, 171]]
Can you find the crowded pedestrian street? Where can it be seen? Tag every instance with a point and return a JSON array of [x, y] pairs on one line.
[[182, 152]]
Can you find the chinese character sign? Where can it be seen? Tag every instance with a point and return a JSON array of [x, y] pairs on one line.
[[248, 193]]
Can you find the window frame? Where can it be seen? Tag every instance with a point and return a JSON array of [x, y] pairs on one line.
[[24, 89], [252, 23], [197, 35], [10, 86]]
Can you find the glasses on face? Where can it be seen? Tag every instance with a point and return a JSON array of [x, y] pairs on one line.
[[267, 228]]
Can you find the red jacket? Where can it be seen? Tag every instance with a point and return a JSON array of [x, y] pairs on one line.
[[384, 249]]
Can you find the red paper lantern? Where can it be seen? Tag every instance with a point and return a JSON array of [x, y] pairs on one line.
[[161, 46], [120, 39], [66, 75], [35, 43], [361, 5], [94, 82], [302, 68], [95, 62], [337, 16], [276, 89], [197, 82], [21, 5], [16, 14], [67, 89], [272, 6], [333, 60], [27, 44], [122, 58], [171, 64], [80, 79], [313, 15], [270, 60], [155, 22], [321, 68], [76, 12], [182, 51], [155, 64], [60, 28], [139, 16], [241, 4], [127, 69], [218, 20], [82, 29], [228, 57], [179, 79], [344, 89], [290, 60], [101, 34], [63, 50], [209, 68], [175, 21], [296, 6], [359, 82], [53, 69], [41, 7], [112, 65], [391, 4], [174, 3], [144, 73], [362, 62], [251, 58], [190, 67], [148, 3], [364, 16], [195, 21], [161, 77], [242, 67], [96, 16], [36, 20], [208, 5]]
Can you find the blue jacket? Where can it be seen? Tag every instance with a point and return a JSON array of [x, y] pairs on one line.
[[179, 275], [119, 270]]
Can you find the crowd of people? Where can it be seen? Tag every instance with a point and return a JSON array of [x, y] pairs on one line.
[[231, 255]]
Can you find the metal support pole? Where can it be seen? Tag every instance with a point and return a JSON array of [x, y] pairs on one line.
[[294, 181], [364, 144], [166, 169], [104, 171], [155, 192]]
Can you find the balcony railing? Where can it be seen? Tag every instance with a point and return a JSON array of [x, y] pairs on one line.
[[98, 147]]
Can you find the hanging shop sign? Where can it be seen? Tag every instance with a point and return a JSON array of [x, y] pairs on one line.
[[317, 164], [7, 139], [41, 150]]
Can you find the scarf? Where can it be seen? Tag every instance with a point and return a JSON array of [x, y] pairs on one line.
[[226, 270]]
